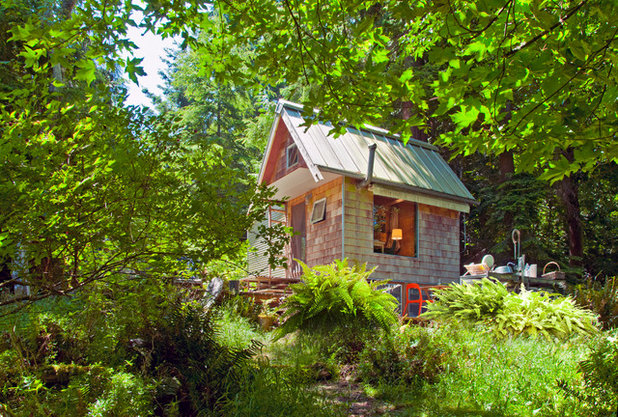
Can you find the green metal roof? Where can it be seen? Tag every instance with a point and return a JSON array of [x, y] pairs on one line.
[[416, 166]]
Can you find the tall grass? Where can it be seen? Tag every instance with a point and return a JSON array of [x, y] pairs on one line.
[[479, 375], [236, 331], [276, 392]]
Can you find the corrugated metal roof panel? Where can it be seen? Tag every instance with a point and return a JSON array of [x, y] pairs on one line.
[[414, 164]]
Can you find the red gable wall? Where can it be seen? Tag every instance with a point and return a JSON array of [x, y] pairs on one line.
[[276, 163]]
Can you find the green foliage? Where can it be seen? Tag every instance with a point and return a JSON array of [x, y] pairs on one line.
[[599, 205], [125, 395], [465, 370], [275, 392], [509, 313], [134, 345], [235, 330], [206, 110], [71, 390], [600, 371], [459, 60], [97, 189], [600, 298], [412, 356], [181, 351], [598, 391], [243, 306], [469, 302], [338, 300], [337, 295], [519, 201]]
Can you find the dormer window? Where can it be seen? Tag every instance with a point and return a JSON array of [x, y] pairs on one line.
[[292, 155]]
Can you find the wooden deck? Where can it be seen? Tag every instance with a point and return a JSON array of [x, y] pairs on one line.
[[267, 288]]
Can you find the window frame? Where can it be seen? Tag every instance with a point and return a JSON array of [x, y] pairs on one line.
[[321, 214], [288, 152], [416, 228]]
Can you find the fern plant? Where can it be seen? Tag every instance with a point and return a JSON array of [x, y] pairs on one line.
[[507, 313], [600, 298], [337, 298], [599, 388]]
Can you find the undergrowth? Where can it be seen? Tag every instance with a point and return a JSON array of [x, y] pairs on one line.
[[456, 369], [508, 313]]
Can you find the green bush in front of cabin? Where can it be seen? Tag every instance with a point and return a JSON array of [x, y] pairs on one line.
[[339, 307], [508, 313]]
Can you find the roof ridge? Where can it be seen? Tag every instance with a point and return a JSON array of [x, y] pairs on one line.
[[370, 128]]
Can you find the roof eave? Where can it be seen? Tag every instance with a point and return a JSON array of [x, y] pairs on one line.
[[273, 130], [403, 187]]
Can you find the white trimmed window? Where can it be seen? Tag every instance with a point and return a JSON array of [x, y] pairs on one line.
[[319, 211], [291, 155]]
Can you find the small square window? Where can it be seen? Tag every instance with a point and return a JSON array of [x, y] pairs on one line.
[[319, 211], [292, 155]]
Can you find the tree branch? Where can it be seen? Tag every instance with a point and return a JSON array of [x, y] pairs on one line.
[[547, 31]]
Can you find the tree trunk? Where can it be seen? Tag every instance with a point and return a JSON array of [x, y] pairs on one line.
[[406, 113], [568, 193], [506, 167]]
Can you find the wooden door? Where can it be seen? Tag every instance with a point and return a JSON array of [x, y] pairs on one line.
[[299, 240]]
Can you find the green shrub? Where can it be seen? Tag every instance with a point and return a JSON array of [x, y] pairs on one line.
[[125, 395], [242, 306], [182, 352], [602, 299], [336, 304], [234, 330], [414, 355], [508, 313], [456, 369], [155, 344], [599, 388], [601, 369], [75, 390]]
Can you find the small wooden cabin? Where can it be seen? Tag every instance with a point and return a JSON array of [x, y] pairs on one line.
[[398, 209]]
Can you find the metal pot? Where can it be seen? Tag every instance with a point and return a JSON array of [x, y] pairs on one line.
[[503, 270]]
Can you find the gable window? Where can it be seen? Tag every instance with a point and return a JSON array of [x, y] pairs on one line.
[[319, 211], [291, 155], [395, 227]]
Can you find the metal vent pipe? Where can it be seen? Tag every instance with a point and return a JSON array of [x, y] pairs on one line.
[[370, 163]]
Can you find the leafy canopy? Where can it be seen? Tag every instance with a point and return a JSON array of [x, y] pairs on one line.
[[535, 77], [88, 188]]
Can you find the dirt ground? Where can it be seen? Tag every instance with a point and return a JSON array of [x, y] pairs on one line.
[[345, 391], [351, 394]]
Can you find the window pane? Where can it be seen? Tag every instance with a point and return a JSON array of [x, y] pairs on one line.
[[394, 226], [292, 155]]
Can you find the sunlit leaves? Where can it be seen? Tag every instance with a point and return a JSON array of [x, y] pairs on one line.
[[537, 71], [90, 187]]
